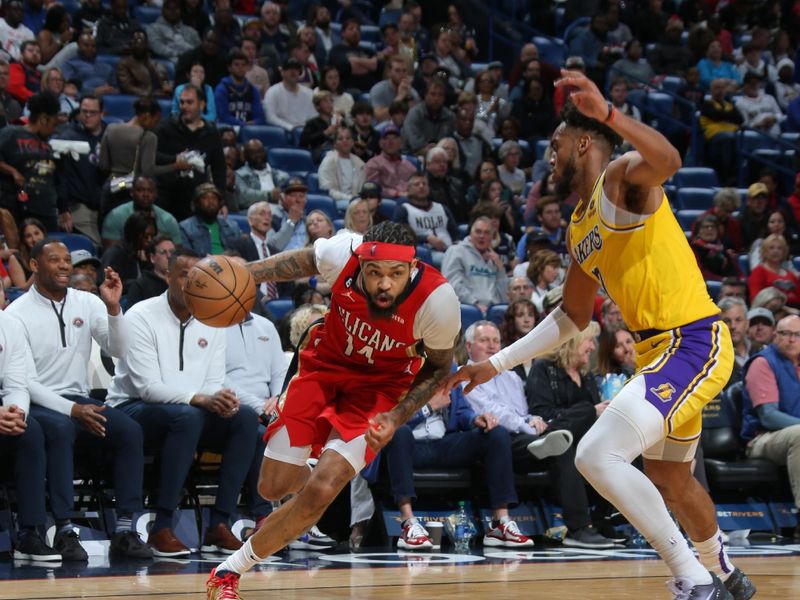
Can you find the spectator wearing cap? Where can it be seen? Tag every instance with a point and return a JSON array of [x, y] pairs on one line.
[[389, 171], [359, 67], [772, 272], [428, 121], [237, 100], [341, 172], [169, 37], [288, 104], [758, 109], [373, 194], [395, 88], [475, 271], [786, 89], [319, 132], [256, 181], [86, 263], [206, 232], [755, 215], [771, 419], [143, 201], [760, 328], [181, 135], [287, 217]]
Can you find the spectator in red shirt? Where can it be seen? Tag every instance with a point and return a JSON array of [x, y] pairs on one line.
[[772, 273], [24, 77]]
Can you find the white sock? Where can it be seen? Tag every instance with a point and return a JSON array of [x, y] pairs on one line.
[[714, 556], [674, 550], [240, 561]]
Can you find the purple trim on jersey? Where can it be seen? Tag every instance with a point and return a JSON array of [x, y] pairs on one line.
[[692, 351]]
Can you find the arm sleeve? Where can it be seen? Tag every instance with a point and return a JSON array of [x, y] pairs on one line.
[[554, 330], [331, 255], [438, 320], [15, 386]]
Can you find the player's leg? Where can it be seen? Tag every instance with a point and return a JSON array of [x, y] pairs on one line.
[[284, 469], [625, 430]]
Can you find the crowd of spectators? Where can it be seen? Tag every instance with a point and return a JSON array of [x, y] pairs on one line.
[[403, 124]]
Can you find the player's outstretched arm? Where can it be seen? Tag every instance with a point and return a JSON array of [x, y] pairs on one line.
[[655, 159], [285, 266], [428, 380]]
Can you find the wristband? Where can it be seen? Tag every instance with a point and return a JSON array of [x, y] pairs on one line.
[[611, 113]]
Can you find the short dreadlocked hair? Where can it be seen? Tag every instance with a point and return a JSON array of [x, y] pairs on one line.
[[572, 117], [391, 233]]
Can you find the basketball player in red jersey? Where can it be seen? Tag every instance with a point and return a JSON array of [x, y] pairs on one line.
[[376, 359]]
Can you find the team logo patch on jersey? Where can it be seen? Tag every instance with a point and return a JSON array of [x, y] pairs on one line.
[[77, 322], [664, 392], [202, 342]]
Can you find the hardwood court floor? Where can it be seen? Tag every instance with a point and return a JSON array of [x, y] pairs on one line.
[[777, 577]]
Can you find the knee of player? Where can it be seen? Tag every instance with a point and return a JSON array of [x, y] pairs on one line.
[[273, 490], [319, 492]]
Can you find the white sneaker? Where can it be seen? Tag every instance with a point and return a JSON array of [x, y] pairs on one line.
[[554, 443], [313, 539]]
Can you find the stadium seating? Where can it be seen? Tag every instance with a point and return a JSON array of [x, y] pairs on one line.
[[687, 217], [551, 50], [241, 221], [74, 241], [323, 203], [713, 288], [270, 135], [694, 198], [312, 181], [469, 315], [280, 307], [291, 159], [496, 313], [424, 254], [119, 105], [146, 14], [696, 177], [387, 207]]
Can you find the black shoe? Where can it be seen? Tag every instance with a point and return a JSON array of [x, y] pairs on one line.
[[31, 546], [587, 537], [69, 545], [130, 545], [740, 586], [685, 589]]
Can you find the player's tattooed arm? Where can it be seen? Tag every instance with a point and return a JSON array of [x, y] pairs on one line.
[[428, 380], [286, 266]]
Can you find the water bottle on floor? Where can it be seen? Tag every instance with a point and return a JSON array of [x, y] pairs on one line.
[[463, 530]]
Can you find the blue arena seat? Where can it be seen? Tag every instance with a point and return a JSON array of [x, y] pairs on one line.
[[146, 14], [169, 67], [109, 59], [496, 313], [280, 307], [387, 207], [469, 315], [463, 230], [291, 159], [323, 203], [541, 148], [424, 254], [696, 198], [713, 288], [270, 135], [671, 84], [696, 177], [687, 217], [744, 264], [551, 50], [119, 105], [338, 224], [240, 220], [312, 181], [413, 160], [74, 241]]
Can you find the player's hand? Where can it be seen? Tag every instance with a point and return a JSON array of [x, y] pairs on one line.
[[111, 291], [380, 431], [91, 417], [12, 420], [475, 374], [587, 98]]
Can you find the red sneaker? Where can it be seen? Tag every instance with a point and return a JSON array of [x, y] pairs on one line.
[[507, 534], [414, 537], [223, 588]]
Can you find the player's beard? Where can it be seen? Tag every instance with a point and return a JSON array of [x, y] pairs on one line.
[[378, 312], [564, 183]]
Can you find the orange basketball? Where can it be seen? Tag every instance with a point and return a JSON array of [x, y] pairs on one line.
[[219, 292]]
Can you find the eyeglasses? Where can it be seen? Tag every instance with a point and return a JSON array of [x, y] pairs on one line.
[[795, 335]]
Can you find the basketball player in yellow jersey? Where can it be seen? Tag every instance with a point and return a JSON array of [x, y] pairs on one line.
[[624, 238]]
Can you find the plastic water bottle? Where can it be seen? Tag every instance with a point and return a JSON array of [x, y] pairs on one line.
[[463, 530]]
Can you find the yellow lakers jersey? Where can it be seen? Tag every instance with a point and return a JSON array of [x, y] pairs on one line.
[[647, 268]]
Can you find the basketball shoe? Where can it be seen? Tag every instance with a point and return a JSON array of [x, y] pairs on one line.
[[685, 589], [225, 587], [414, 537], [313, 539], [507, 534], [740, 586]]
